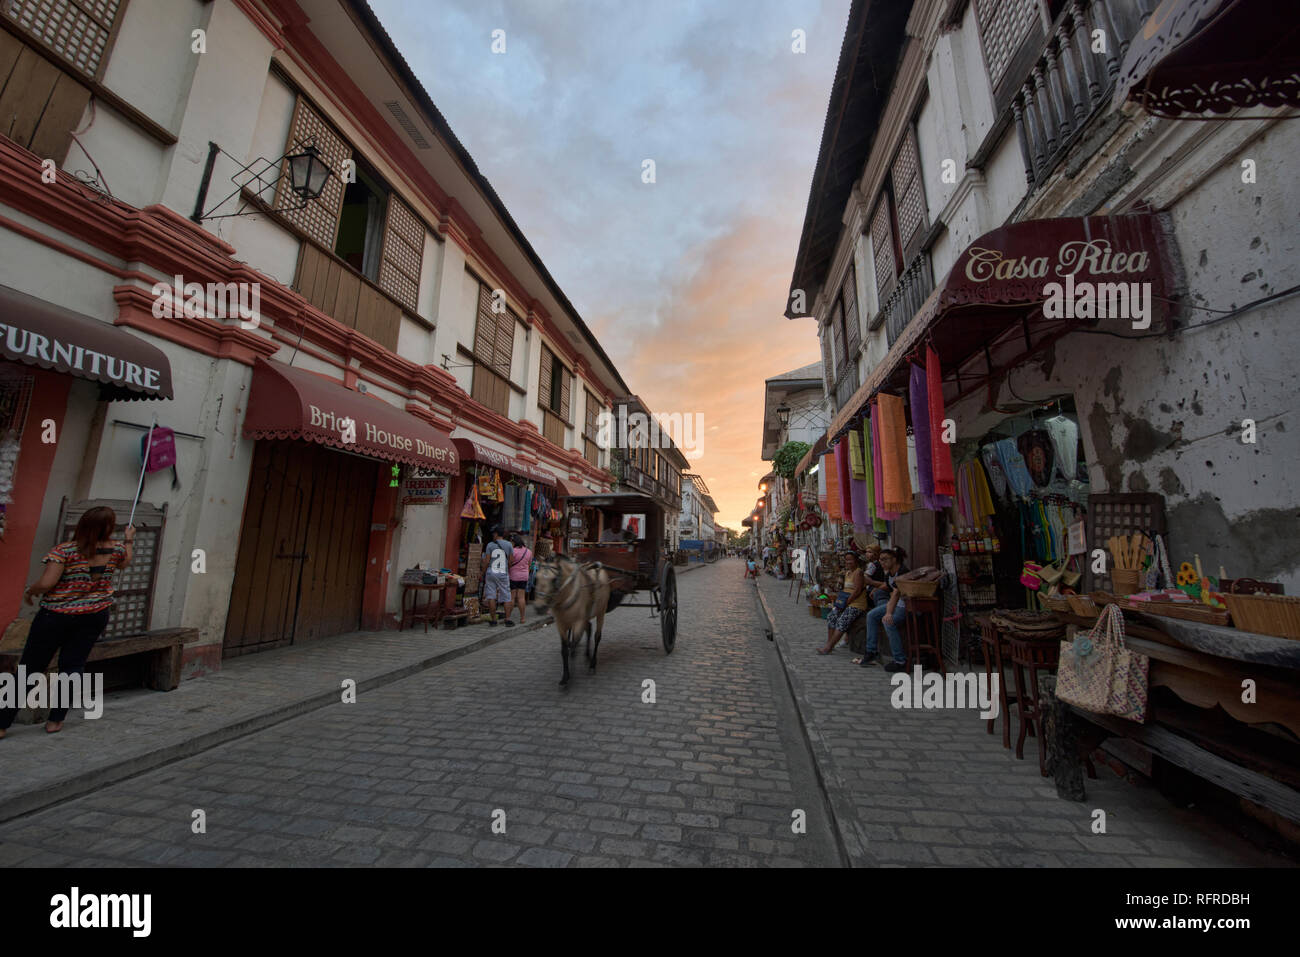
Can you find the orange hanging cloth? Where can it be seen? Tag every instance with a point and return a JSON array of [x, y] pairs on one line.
[[832, 488], [893, 454]]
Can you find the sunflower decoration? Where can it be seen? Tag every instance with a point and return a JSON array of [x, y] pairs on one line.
[[1187, 574]]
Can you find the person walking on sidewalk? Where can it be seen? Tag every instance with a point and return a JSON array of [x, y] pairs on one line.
[[76, 592], [890, 613], [519, 566], [841, 620], [496, 583]]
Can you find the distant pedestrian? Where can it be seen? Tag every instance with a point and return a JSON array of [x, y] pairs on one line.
[[76, 592], [520, 564]]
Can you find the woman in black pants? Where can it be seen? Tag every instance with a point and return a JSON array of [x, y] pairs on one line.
[[77, 596]]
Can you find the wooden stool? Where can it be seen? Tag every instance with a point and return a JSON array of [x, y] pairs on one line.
[[992, 642], [1036, 654], [432, 611], [923, 633]]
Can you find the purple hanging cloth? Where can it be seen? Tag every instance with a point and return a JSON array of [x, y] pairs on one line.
[[858, 496], [920, 398]]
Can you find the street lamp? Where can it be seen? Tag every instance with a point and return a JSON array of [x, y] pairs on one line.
[[783, 416], [308, 172]]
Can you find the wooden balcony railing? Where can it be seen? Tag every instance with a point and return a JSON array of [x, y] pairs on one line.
[[909, 293], [1069, 82]]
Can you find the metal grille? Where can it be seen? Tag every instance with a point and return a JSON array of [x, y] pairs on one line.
[[882, 244], [15, 399], [1121, 513], [319, 218], [399, 275], [1003, 24], [77, 30], [133, 585], [907, 190]]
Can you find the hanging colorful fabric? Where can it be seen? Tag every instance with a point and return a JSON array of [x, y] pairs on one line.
[[472, 508], [893, 453], [877, 523], [832, 487], [855, 455], [844, 475], [940, 451]]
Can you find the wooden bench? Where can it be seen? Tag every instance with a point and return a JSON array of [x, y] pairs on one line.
[[162, 647]]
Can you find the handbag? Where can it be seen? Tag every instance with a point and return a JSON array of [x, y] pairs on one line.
[[1029, 576], [1098, 673], [841, 601], [472, 508]]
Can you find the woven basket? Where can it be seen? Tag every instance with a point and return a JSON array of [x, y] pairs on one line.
[[1055, 602], [1126, 581], [917, 589], [1083, 606], [1276, 615]]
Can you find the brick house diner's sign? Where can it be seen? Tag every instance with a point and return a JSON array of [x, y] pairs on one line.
[[295, 403]]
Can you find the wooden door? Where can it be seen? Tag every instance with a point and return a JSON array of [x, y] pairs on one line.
[[300, 570]]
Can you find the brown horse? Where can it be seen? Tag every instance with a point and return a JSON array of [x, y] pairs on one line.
[[574, 593]]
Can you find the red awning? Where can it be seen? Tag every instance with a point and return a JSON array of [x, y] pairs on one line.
[[471, 451], [289, 403], [1201, 57], [568, 488], [1003, 278], [39, 333]]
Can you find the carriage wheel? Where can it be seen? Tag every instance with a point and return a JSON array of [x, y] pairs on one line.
[[668, 607]]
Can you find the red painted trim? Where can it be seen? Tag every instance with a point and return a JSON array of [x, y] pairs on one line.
[[135, 311], [262, 22], [35, 459]]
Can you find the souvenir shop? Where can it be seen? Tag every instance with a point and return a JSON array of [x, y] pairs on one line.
[[502, 490]]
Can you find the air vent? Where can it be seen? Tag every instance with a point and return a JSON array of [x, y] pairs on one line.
[[405, 123]]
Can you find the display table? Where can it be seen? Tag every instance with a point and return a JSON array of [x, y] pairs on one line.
[[432, 611], [1253, 678]]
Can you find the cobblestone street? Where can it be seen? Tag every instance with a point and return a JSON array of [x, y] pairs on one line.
[[710, 774]]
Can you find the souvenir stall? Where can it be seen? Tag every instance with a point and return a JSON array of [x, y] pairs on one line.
[[1020, 489], [500, 490]]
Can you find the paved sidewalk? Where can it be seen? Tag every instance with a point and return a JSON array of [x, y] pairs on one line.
[[932, 787], [143, 729]]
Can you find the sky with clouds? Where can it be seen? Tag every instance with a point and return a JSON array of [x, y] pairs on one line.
[[683, 280]]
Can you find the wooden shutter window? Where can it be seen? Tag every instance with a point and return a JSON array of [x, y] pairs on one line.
[[828, 370], [319, 219], [566, 380], [79, 31], [908, 190], [882, 245], [592, 411], [544, 378], [403, 255], [837, 333], [505, 343], [1003, 25], [849, 296], [485, 326]]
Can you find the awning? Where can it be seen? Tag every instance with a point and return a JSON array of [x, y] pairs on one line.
[[39, 333], [1197, 57], [567, 488], [1003, 279], [471, 451], [289, 403]]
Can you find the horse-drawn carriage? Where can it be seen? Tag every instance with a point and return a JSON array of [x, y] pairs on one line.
[[636, 560], [614, 550]]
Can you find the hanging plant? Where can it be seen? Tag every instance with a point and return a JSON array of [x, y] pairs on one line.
[[787, 458]]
